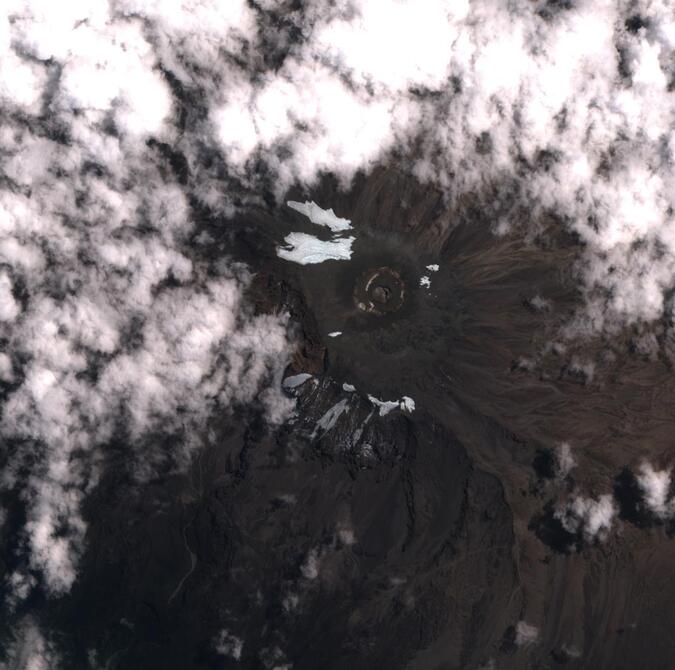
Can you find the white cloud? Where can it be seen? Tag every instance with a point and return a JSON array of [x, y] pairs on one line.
[[30, 650], [117, 322], [310, 568], [565, 460], [227, 644], [526, 633], [655, 488], [590, 517], [9, 309]]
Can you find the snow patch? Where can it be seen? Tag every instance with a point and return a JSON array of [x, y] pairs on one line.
[[405, 404], [346, 535]]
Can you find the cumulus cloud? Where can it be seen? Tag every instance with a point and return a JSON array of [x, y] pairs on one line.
[[655, 488], [113, 326], [589, 518], [30, 650]]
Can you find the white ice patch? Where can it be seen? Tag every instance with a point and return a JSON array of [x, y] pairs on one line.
[[335, 333], [306, 249], [322, 217], [349, 388], [358, 433], [296, 380], [433, 268], [329, 419], [309, 250], [405, 404], [425, 281]]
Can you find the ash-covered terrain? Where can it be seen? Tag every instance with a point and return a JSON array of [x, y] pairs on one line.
[[337, 334]]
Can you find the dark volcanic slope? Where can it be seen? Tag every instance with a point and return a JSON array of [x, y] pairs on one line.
[[489, 359]]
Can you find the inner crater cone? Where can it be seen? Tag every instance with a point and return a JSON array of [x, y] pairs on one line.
[[379, 291]]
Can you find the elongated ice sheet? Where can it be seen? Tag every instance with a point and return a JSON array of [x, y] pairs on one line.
[[307, 249], [322, 217]]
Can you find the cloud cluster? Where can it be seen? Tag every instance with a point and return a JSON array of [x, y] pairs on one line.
[[112, 326], [589, 518], [645, 495]]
